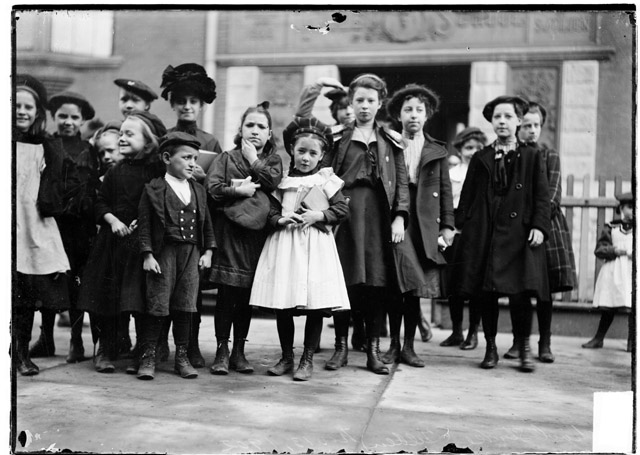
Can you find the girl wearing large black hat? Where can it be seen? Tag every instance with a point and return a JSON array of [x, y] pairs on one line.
[[419, 260], [188, 88], [504, 216]]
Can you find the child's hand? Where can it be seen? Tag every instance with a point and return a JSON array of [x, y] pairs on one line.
[[309, 217], [397, 230], [198, 173], [249, 151], [294, 218], [205, 260], [448, 235], [150, 264], [535, 237], [247, 189], [120, 229]]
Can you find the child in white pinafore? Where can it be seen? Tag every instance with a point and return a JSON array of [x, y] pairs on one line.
[[299, 271], [614, 282]]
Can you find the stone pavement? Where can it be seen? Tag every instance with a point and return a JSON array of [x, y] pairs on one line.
[[451, 400]]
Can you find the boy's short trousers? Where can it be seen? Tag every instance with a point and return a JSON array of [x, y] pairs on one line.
[[176, 288]]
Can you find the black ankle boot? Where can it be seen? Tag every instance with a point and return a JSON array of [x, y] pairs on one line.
[[409, 356], [544, 348], [340, 355], [471, 342], [491, 354], [76, 351], [526, 361], [237, 360], [23, 362], [101, 361], [373, 357], [181, 365], [194, 354], [455, 339], [147, 367], [393, 354], [305, 368], [44, 346], [514, 350], [284, 365], [221, 362]]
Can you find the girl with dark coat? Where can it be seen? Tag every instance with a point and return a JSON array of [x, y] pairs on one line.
[[113, 278], [80, 181], [418, 258], [41, 261], [188, 89], [504, 216], [561, 265], [369, 159], [236, 174]]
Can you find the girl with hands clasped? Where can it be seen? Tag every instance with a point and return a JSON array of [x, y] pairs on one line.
[[299, 271], [238, 181], [504, 216], [113, 281], [369, 159]]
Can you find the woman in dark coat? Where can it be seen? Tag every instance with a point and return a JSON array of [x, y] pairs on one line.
[[504, 218], [418, 258], [254, 160], [561, 264], [369, 159]]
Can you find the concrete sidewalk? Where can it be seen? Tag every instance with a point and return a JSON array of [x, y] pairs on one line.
[[451, 400]]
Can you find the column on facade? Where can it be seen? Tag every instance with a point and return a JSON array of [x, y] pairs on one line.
[[488, 80], [241, 92]]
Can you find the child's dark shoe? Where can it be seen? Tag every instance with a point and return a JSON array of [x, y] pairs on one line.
[[593, 344], [284, 365], [182, 366], [221, 363]]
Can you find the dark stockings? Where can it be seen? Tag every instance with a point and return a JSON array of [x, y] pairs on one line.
[[232, 308]]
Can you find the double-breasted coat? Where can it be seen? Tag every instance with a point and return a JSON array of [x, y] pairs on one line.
[[431, 210], [494, 254]]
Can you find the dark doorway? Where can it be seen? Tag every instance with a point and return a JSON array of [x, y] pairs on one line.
[[450, 82]]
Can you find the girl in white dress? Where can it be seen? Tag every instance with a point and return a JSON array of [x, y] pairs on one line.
[[614, 283], [299, 271]]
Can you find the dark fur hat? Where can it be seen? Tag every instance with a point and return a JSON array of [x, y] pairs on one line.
[[190, 77]]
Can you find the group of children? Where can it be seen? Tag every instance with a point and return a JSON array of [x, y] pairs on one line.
[[364, 221]]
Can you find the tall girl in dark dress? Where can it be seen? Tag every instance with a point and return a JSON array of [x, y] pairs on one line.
[[113, 278], [255, 162], [369, 159], [418, 257]]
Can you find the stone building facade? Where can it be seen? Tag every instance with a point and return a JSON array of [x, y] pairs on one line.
[[579, 64]]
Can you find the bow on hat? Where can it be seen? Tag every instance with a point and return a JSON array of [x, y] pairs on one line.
[[188, 74], [306, 125]]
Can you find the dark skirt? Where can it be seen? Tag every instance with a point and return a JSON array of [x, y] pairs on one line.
[[561, 264], [235, 259], [42, 291], [113, 279], [364, 239], [415, 272]]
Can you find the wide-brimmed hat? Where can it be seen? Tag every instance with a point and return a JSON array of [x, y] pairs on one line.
[[306, 125], [153, 122], [138, 87], [625, 197], [59, 99], [191, 77], [178, 138], [520, 105], [32, 85], [394, 105], [469, 133]]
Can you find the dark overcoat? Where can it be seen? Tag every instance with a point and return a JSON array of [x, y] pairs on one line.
[[151, 217], [494, 253], [432, 210], [234, 261]]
